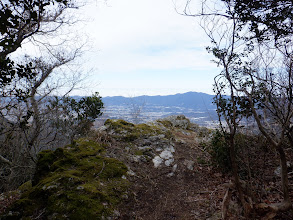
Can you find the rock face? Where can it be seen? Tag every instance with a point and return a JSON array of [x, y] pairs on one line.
[[179, 121], [147, 142], [155, 142], [166, 164], [74, 182], [134, 165]]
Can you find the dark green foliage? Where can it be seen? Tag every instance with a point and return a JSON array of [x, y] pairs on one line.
[[91, 107], [76, 182], [220, 151], [119, 124], [266, 19], [61, 121], [87, 108], [253, 47], [76, 115], [45, 160], [19, 20]]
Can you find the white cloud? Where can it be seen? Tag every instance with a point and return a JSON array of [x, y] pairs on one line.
[[125, 61], [133, 36]]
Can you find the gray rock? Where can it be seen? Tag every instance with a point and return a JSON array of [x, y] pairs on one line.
[[144, 148], [157, 161], [131, 173], [169, 162], [103, 128], [178, 121], [174, 168], [277, 171], [189, 164], [159, 149]]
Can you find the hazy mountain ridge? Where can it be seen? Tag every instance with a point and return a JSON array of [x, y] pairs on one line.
[[197, 106], [193, 100]]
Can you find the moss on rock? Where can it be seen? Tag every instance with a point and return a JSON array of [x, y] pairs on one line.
[[74, 182], [178, 121], [127, 131]]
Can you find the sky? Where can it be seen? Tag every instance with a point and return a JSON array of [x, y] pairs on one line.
[[144, 47]]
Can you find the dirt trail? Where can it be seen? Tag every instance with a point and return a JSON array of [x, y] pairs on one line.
[[193, 191]]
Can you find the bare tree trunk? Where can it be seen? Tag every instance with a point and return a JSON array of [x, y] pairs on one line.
[[234, 164], [284, 174]]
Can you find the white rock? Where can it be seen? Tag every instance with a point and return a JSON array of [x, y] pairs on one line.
[[185, 133], [157, 161], [189, 164], [80, 188], [136, 158], [103, 128], [172, 149], [166, 154], [174, 168], [130, 173], [49, 187], [278, 170], [169, 162], [158, 149], [180, 141], [144, 148], [161, 136]]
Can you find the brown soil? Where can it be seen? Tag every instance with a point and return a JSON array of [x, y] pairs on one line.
[[188, 194], [196, 193]]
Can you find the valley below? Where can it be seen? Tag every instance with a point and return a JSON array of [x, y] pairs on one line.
[[198, 107]]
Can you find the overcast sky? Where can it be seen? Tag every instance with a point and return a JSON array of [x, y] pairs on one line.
[[143, 47]]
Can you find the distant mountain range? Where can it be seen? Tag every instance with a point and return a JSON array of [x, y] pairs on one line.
[[192, 100], [198, 107]]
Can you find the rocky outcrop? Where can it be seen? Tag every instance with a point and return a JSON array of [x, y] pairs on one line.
[[178, 121], [146, 142], [84, 180], [155, 142], [74, 182]]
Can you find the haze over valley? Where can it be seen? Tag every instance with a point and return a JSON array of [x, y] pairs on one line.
[[198, 107]]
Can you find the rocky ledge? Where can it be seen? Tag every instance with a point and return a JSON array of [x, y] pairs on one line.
[[123, 171]]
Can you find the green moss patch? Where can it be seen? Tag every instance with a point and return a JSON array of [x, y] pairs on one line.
[[75, 182], [129, 132], [165, 123]]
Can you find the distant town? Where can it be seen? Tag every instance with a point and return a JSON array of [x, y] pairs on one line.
[[198, 107]]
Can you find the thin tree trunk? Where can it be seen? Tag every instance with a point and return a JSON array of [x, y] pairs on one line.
[[238, 186], [284, 174]]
